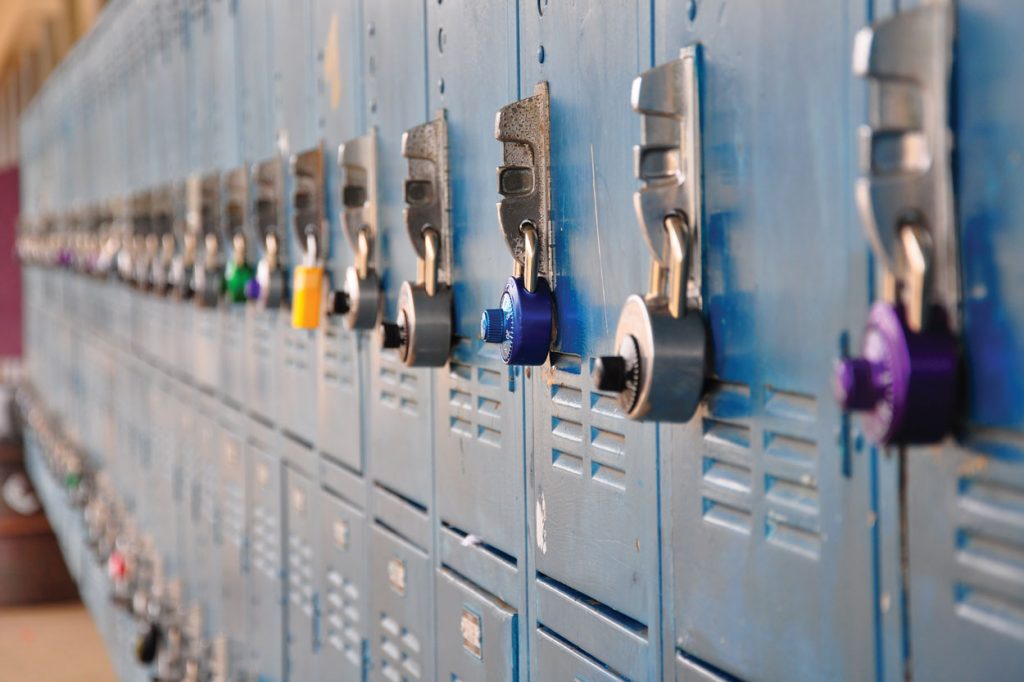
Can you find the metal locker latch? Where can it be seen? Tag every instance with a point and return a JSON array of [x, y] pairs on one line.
[[144, 243], [422, 334], [661, 339], [268, 287], [209, 271], [311, 233], [183, 263], [359, 300], [523, 322], [906, 380], [238, 272], [163, 229]]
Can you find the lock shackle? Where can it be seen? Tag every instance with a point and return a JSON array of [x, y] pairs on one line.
[[671, 282], [270, 241], [238, 245], [915, 262], [212, 246], [431, 244], [364, 247], [529, 255], [310, 256]]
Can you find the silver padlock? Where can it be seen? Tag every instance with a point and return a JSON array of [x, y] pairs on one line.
[[422, 334], [359, 300], [661, 340], [268, 288], [209, 271]]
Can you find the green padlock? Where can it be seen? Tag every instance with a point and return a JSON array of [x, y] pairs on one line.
[[236, 277], [237, 273]]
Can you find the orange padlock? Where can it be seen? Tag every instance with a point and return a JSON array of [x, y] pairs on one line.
[[307, 290]]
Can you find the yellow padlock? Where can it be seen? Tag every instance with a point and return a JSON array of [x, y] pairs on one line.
[[307, 290]]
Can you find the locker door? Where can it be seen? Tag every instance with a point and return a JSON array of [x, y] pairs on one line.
[[479, 404], [266, 631], [342, 356], [402, 628], [344, 615], [234, 535], [593, 500], [477, 633], [399, 404], [295, 117], [303, 611], [258, 146], [205, 471], [964, 501], [765, 501]]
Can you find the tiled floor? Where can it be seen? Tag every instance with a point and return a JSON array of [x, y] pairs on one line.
[[51, 643]]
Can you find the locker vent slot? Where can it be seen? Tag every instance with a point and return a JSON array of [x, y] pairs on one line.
[[586, 426], [296, 350], [209, 509], [300, 573], [474, 397], [400, 650], [990, 554], [599, 608], [342, 617], [562, 642], [475, 541], [762, 472], [262, 338], [338, 361], [790, 463], [398, 386], [266, 549], [234, 512], [727, 464]]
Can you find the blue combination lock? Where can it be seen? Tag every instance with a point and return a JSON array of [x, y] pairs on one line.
[[523, 322]]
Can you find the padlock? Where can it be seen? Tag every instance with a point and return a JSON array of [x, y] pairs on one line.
[[307, 289]]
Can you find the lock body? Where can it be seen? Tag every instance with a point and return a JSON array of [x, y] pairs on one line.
[[237, 277], [663, 361], [522, 324], [423, 332], [905, 381], [359, 301], [307, 291]]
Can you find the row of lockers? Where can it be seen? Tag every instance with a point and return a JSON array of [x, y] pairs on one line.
[[602, 545]]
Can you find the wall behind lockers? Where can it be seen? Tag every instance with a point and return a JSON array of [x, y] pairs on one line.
[[360, 519]]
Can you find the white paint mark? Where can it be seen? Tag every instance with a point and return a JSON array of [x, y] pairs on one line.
[[597, 225], [542, 536]]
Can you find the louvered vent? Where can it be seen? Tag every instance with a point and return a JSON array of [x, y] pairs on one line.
[[475, 394]]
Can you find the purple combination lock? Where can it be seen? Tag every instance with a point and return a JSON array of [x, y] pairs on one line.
[[905, 382]]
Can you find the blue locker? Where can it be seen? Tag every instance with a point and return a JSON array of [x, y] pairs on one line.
[[342, 356], [592, 501], [398, 402], [259, 149], [963, 500], [344, 609], [295, 117], [204, 470], [265, 633], [301, 548], [234, 532], [477, 632], [767, 496], [478, 401], [402, 627]]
